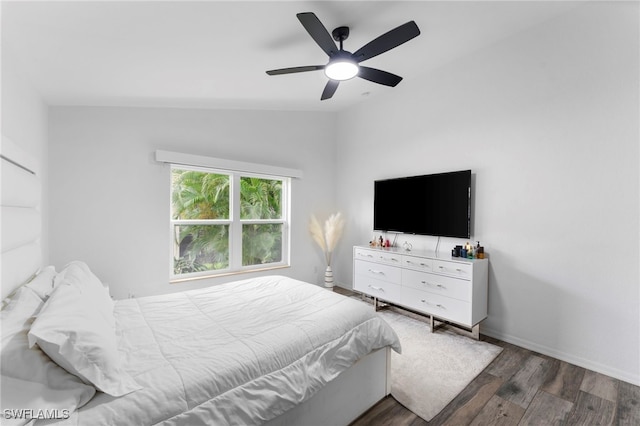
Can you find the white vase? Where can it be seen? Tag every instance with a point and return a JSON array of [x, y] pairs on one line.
[[328, 277]]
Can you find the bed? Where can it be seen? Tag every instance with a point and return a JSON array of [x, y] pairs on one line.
[[246, 352], [268, 350]]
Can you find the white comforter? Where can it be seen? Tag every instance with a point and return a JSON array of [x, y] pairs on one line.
[[237, 353]]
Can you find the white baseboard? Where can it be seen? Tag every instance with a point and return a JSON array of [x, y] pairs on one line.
[[607, 370]]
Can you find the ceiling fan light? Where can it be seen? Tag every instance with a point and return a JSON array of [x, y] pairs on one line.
[[342, 69]]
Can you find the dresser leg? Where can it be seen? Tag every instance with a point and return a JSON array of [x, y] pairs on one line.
[[378, 306], [435, 325], [475, 331]]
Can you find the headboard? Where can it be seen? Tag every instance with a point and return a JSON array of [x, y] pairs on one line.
[[20, 217]]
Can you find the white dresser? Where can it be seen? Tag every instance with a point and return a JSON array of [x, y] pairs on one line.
[[444, 288]]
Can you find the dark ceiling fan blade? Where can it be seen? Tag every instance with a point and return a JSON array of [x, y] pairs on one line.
[[296, 69], [318, 32], [387, 41], [379, 76], [329, 89]]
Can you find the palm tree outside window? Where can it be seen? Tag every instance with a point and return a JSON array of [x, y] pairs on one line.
[[227, 222]]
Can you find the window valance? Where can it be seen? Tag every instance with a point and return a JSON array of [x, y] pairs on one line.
[[220, 163]]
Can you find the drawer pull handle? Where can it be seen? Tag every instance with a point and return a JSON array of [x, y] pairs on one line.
[[437, 305], [459, 270], [441, 267], [431, 284], [423, 264], [376, 288], [388, 259], [373, 271]]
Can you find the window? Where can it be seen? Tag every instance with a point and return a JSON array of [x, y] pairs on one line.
[[227, 222]]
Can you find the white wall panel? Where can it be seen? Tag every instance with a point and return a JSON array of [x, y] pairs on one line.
[[19, 265], [20, 226], [19, 188], [24, 140], [20, 221]]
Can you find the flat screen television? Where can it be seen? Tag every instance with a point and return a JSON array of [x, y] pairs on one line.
[[436, 204]]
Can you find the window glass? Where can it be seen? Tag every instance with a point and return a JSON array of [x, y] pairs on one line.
[[199, 195], [200, 248], [261, 244], [260, 198], [225, 222]]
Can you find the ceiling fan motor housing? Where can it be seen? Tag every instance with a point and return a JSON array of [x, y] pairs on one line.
[[340, 34]]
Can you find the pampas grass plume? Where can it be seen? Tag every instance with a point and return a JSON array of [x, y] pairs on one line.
[[333, 230], [316, 232], [328, 238]]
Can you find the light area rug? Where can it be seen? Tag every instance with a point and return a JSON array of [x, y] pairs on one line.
[[433, 367]]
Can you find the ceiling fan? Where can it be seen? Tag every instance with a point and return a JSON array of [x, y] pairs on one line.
[[345, 65]]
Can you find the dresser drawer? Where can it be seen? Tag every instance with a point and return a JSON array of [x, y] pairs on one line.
[[364, 254], [379, 256], [378, 271], [454, 269], [417, 263], [439, 306], [438, 284], [377, 288]]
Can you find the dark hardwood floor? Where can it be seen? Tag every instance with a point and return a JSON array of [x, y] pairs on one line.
[[521, 387]]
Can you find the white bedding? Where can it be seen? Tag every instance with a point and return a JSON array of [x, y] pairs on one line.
[[237, 353]]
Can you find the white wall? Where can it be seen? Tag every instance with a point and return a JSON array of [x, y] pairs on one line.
[[110, 199], [24, 122], [548, 122]]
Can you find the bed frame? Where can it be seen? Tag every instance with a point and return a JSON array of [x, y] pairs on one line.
[[347, 397]]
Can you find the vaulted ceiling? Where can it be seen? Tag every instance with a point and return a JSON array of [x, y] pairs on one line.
[[214, 54]]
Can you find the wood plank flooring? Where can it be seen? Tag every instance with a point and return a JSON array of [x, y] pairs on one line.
[[521, 387]]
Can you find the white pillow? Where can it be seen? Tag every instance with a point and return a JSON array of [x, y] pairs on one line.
[[42, 283], [76, 328], [29, 369], [79, 273]]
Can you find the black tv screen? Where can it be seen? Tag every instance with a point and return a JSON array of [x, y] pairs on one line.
[[436, 204]]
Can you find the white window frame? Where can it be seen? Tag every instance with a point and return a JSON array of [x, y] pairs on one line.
[[235, 226]]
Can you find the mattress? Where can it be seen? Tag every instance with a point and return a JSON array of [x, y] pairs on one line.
[[238, 353]]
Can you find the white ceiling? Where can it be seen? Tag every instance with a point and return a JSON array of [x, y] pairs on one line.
[[214, 54]]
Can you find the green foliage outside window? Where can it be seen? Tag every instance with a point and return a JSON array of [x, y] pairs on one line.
[[201, 197], [261, 199]]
